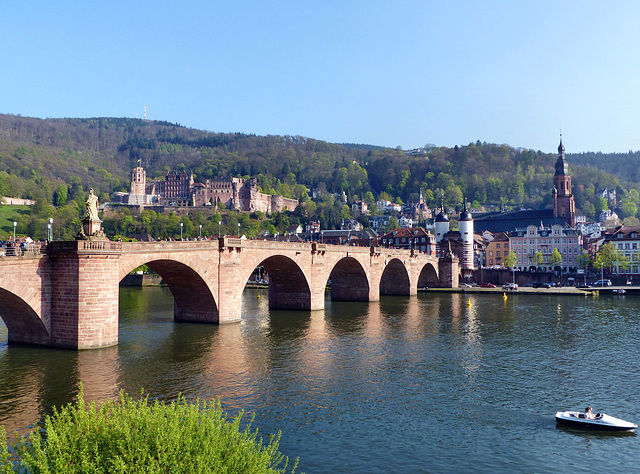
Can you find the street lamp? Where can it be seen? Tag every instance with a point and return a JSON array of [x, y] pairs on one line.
[[14, 230], [181, 226], [51, 228], [238, 229], [200, 231], [219, 224], [49, 232]]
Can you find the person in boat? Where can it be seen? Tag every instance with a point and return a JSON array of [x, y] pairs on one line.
[[588, 413]]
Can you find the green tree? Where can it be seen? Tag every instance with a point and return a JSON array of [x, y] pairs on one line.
[[510, 261], [556, 257], [537, 258], [60, 196], [608, 257], [629, 209]]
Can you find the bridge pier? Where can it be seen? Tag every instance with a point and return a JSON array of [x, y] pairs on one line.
[[84, 300]]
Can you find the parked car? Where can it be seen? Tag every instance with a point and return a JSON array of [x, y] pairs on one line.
[[602, 283], [583, 285], [487, 285], [510, 286], [547, 284]]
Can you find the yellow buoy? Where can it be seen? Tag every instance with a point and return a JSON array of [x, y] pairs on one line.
[[504, 296], [469, 302], [258, 295]]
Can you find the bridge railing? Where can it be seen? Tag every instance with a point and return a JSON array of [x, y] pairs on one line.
[[84, 246], [169, 245], [29, 250]]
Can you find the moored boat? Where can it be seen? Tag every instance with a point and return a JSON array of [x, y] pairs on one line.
[[601, 421]]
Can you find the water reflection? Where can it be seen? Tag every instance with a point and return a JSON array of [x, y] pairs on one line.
[[353, 383]]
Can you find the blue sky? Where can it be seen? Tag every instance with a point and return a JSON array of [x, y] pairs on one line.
[[401, 73]]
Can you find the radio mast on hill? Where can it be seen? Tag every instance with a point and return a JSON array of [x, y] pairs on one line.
[[145, 112]]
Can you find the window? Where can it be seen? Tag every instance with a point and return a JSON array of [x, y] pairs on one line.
[[626, 246], [490, 253], [498, 253], [497, 246]]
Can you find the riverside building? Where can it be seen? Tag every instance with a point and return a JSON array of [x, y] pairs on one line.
[[527, 242]]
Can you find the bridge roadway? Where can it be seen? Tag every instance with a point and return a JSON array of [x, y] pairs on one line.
[[67, 296]]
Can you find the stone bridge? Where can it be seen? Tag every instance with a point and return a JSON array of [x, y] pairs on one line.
[[68, 295]]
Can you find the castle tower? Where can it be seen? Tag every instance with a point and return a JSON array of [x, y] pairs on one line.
[[563, 203], [138, 180], [442, 227], [466, 232]]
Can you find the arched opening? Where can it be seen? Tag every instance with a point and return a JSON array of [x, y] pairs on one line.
[[23, 324], [349, 281], [288, 286], [395, 279], [192, 298], [428, 277]]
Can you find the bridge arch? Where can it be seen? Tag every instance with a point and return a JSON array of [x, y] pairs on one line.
[[395, 279], [288, 285], [23, 323], [349, 281], [428, 277], [193, 300]]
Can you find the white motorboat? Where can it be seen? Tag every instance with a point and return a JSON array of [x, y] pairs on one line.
[[600, 421]]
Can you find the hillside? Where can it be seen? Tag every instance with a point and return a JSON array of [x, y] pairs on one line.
[[56, 160]]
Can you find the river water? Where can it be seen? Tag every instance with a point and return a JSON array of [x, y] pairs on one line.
[[430, 383]]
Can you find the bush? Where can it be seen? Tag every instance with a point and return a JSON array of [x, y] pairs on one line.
[[127, 436]]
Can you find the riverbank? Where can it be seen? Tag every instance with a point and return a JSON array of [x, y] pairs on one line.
[[563, 290]]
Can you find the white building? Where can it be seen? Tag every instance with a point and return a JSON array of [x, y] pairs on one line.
[[405, 222], [526, 242], [388, 207], [627, 241]]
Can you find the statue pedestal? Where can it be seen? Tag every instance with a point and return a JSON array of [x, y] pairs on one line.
[[91, 230]]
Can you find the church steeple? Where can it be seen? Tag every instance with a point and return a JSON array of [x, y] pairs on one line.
[[562, 168], [563, 203]]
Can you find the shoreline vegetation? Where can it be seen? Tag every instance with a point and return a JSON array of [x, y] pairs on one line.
[[129, 436]]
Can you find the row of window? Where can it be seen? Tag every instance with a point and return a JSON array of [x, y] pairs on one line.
[[627, 246], [520, 242], [404, 240]]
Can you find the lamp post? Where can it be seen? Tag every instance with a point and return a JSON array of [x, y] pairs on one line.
[[219, 224], [200, 236], [14, 230], [49, 232], [51, 228], [238, 229], [181, 226]]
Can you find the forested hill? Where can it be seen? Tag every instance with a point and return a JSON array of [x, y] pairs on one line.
[[38, 156], [624, 165]]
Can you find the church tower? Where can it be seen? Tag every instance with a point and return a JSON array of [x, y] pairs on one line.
[[563, 203]]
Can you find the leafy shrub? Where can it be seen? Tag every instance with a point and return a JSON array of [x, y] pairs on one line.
[[128, 436]]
